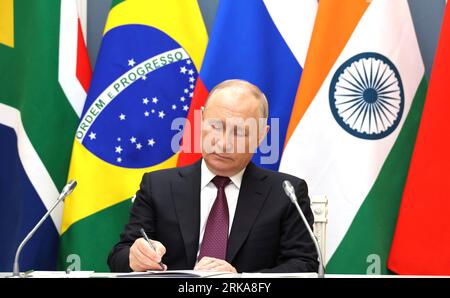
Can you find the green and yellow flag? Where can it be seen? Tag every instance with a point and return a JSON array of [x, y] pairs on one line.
[[44, 75], [144, 79]]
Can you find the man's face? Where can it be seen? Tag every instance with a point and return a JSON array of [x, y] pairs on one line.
[[231, 130]]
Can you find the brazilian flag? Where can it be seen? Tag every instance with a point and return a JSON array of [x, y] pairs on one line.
[[144, 79]]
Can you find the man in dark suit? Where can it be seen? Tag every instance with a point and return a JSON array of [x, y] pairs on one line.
[[222, 213]]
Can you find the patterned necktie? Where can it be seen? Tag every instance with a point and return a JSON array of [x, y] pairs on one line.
[[215, 238]]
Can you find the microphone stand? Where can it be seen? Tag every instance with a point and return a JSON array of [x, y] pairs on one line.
[[65, 192], [290, 192]]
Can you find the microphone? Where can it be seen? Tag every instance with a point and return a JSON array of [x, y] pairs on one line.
[[64, 193], [290, 192]]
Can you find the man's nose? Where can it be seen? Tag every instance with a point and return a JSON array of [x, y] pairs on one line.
[[225, 142]]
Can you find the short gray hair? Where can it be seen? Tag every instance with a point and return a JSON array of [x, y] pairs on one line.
[[254, 90]]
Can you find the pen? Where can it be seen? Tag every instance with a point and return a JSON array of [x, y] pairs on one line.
[[151, 245]]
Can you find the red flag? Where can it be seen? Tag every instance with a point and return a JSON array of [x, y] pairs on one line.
[[421, 243]]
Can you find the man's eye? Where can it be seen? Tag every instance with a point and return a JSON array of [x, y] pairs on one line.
[[215, 126], [239, 132]]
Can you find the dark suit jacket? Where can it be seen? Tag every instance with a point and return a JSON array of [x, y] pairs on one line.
[[267, 234]]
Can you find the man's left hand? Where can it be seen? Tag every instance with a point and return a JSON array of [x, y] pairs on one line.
[[213, 264]]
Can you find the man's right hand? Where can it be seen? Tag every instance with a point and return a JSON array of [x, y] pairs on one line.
[[143, 257]]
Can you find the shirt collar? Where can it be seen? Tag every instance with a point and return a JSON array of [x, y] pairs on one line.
[[207, 176]]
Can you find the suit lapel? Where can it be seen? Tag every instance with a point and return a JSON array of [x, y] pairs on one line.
[[186, 197], [251, 198]]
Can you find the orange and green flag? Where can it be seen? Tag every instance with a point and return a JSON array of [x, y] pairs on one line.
[[354, 124]]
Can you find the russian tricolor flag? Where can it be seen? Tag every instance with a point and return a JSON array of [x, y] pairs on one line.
[[265, 43]]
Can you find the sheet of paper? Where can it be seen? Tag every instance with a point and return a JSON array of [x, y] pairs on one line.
[[174, 274], [279, 275], [60, 274]]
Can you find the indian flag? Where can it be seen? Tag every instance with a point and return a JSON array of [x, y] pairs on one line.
[[354, 124]]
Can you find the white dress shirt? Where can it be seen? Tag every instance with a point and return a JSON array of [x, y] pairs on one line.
[[208, 193]]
